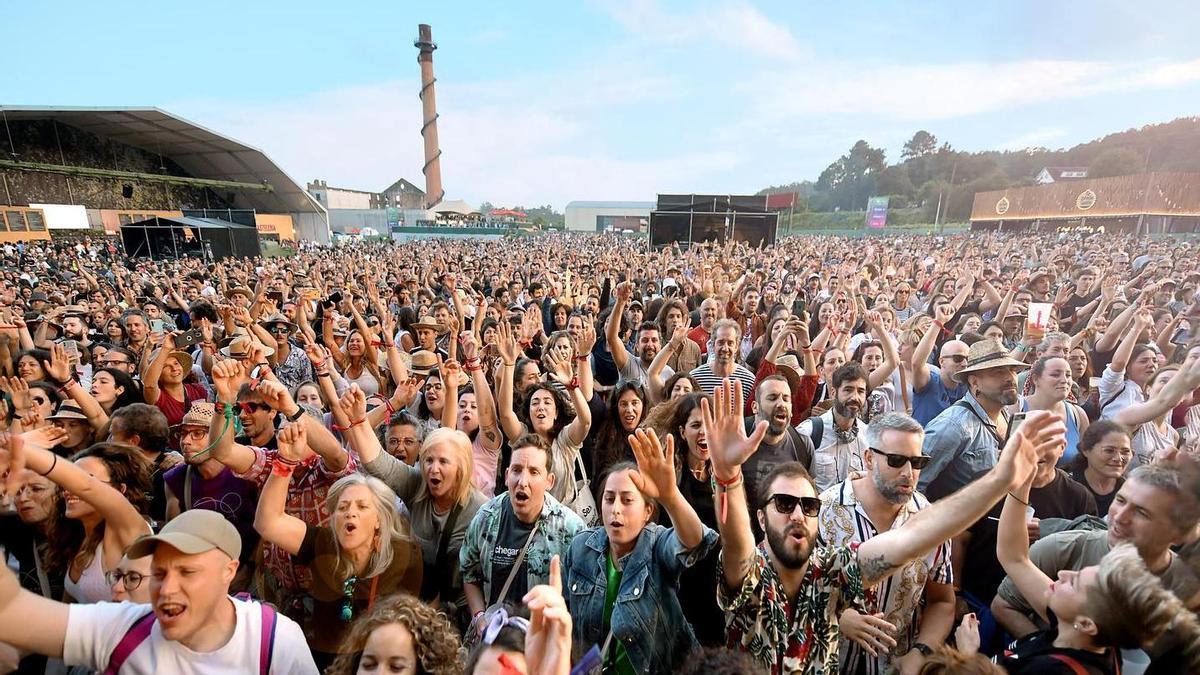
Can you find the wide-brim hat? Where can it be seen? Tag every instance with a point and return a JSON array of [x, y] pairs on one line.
[[278, 318], [986, 355], [789, 366], [193, 532], [68, 411], [429, 323], [240, 290], [185, 360], [1038, 275], [199, 415], [423, 362], [240, 347]]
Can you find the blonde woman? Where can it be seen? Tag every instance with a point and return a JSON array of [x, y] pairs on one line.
[[364, 554]]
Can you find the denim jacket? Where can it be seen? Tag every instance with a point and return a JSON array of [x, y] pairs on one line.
[[963, 443], [646, 616]]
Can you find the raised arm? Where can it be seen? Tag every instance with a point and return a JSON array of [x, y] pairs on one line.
[[448, 372], [729, 448], [654, 380], [488, 429], [122, 522], [318, 438], [560, 372], [270, 518], [1120, 359], [509, 351], [921, 353], [1116, 329], [655, 478], [150, 375], [1177, 389], [612, 327], [228, 376], [879, 556], [890, 357], [1012, 549]]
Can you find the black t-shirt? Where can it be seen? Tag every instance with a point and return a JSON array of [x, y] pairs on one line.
[[1102, 501], [793, 447], [1036, 654], [1062, 498], [509, 542]]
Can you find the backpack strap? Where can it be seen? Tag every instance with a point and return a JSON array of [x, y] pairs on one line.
[[1075, 666], [818, 430], [133, 638], [266, 647]]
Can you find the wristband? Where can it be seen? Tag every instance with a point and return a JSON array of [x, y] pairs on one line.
[[53, 463], [723, 486], [582, 357], [573, 384], [282, 469], [323, 373], [296, 415], [337, 427], [1022, 501]]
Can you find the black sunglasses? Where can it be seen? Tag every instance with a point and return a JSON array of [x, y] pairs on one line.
[[786, 504], [957, 358], [896, 461]]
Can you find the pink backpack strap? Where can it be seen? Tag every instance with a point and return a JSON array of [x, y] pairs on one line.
[[133, 638], [266, 647], [1075, 666]]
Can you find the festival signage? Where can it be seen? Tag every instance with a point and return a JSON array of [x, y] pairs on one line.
[[877, 208]]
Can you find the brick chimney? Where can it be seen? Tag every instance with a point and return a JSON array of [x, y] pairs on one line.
[[433, 154]]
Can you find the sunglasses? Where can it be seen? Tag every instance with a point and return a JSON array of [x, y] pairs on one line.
[[279, 328], [786, 504], [896, 461], [249, 408], [131, 579], [957, 358]]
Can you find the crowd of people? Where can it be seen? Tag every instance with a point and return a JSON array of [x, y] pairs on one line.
[[570, 454]]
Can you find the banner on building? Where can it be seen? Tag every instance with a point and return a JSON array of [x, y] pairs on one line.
[[877, 208]]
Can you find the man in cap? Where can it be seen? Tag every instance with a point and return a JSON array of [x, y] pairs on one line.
[[202, 482], [192, 625], [965, 439]]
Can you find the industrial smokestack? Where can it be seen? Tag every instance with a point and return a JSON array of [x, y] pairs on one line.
[[433, 154]]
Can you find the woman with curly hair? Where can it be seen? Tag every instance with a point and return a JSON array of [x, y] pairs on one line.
[[401, 634], [608, 441], [106, 490]]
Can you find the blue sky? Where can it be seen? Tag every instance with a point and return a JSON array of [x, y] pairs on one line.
[[545, 102]]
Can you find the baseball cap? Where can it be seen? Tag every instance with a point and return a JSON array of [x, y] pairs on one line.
[[193, 532]]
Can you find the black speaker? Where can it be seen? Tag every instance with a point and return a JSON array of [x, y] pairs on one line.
[[127, 191]]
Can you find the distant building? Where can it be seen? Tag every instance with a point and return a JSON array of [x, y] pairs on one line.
[[586, 216], [354, 211], [1059, 174], [1146, 203], [403, 195]]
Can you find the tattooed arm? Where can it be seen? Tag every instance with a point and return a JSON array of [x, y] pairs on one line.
[[879, 556]]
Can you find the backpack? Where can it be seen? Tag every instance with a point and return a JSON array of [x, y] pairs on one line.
[[140, 631], [818, 430]]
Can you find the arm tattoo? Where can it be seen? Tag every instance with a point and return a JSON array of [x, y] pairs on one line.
[[876, 568]]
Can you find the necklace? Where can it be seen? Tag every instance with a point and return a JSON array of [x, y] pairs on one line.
[[698, 474]]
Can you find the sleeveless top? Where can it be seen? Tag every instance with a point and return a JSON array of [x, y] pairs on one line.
[[1072, 448], [91, 586]]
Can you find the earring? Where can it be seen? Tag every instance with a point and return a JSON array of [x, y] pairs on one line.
[[1076, 626]]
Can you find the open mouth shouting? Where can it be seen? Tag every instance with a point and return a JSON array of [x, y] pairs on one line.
[[521, 496], [170, 613]]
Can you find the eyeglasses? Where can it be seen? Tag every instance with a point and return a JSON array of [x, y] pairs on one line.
[[957, 358], [279, 329], [786, 504], [249, 407], [896, 461], [193, 434], [109, 363], [131, 579]]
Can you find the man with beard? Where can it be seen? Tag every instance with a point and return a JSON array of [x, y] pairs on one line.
[[74, 323], [649, 342], [726, 338], [511, 539], [710, 312], [963, 441], [783, 598], [202, 482], [884, 498], [687, 356], [836, 433], [782, 443]]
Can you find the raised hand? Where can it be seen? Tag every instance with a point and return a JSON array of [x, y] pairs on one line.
[[728, 445], [587, 338], [450, 373], [275, 394], [506, 344], [1018, 460], [292, 443], [228, 377], [624, 291], [354, 403], [59, 368], [559, 368], [655, 476], [406, 392], [548, 642], [12, 463], [18, 389], [470, 348]]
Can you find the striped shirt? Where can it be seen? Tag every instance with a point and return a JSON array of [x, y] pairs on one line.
[[844, 522], [709, 381]]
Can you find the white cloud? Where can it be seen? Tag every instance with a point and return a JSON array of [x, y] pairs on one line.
[[1034, 139], [932, 92], [735, 25]]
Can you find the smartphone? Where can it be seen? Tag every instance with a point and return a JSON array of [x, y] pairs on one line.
[[336, 298], [276, 296], [71, 347], [1014, 424], [799, 306], [189, 338], [156, 325]]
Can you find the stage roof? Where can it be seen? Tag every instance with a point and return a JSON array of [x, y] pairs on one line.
[[201, 152]]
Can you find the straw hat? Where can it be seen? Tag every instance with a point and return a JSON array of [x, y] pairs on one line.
[[423, 362], [240, 290], [199, 415], [68, 411], [240, 347], [986, 355], [789, 366], [278, 318], [429, 323]]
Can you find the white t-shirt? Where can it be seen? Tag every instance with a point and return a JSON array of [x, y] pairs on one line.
[[93, 632]]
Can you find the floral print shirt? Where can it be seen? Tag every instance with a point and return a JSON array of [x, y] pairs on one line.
[[800, 635]]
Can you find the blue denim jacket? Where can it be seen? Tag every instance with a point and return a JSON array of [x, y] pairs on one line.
[[646, 616], [963, 443]]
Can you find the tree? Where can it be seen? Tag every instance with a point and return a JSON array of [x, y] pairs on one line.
[[1116, 162], [895, 181], [922, 143]]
